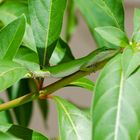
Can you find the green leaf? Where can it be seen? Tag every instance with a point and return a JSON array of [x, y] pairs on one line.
[[136, 20], [11, 38], [61, 54], [22, 114], [98, 13], [5, 116], [87, 112], [83, 83], [43, 105], [113, 35], [73, 66], [10, 73], [46, 20], [131, 61], [71, 19], [136, 34], [27, 58], [6, 136], [21, 132], [136, 39], [10, 10], [116, 104], [73, 123], [1, 24]]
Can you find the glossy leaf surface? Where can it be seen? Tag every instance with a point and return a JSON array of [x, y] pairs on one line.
[[116, 104], [10, 72], [10, 10], [11, 38], [46, 20], [73, 123], [113, 35], [21, 132], [98, 13]]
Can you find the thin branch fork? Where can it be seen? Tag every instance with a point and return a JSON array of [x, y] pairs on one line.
[[43, 94]]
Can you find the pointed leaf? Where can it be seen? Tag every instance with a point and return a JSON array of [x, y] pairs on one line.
[[98, 13], [10, 72], [113, 35], [116, 99], [83, 83], [61, 54], [21, 132], [10, 10], [11, 38], [46, 20], [22, 114], [73, 123], [43, 105]]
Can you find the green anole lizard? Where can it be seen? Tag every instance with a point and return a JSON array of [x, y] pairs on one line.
[[82, 64]]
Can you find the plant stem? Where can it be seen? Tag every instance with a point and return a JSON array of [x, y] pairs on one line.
[[18, 101], [67, 80], [52, 87]]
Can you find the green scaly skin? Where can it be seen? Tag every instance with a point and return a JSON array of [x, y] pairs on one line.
[[82, 64]]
